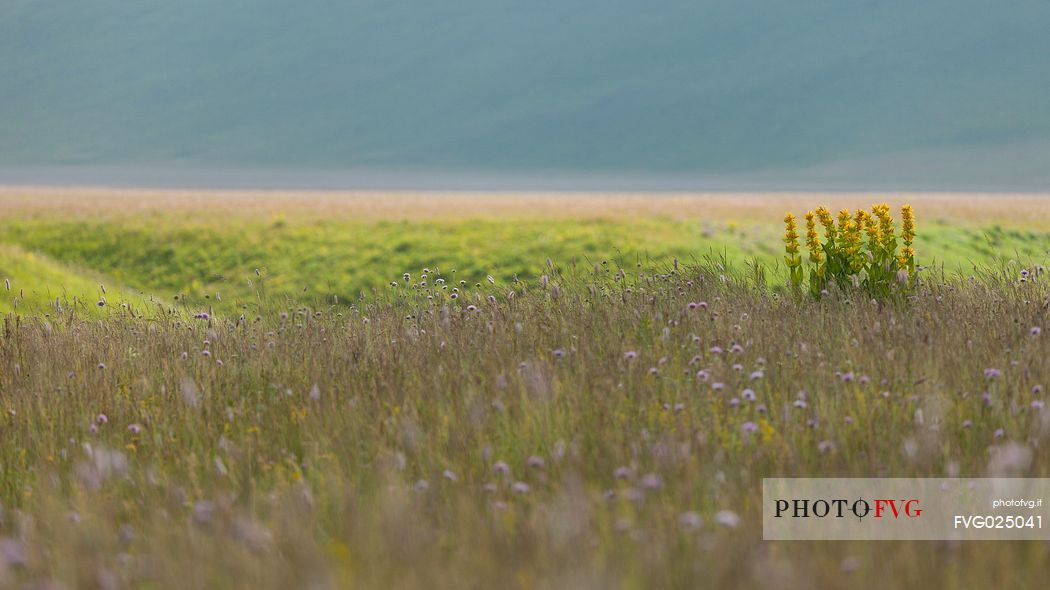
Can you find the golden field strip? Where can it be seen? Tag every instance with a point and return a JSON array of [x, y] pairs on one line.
[[1028, 210]]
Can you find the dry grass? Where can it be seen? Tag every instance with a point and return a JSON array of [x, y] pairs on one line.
[[419, 442], [1021, 210]]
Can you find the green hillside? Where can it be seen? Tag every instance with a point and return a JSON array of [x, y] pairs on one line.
[[214, 262], [886, 92], [33, 282]]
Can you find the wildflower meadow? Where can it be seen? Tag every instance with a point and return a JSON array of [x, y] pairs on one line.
[[584, 400]]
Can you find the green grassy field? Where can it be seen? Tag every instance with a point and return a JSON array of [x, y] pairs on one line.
[[210, 256]]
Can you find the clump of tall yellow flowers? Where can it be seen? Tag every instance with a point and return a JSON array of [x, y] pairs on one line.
[[846, 257]]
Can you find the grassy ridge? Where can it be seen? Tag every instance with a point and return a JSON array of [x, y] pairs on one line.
[[317, 260], [32, 281]]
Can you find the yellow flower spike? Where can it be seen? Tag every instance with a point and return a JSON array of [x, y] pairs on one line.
[[882, 212], [860, 220], [907, 224], [812, 239], [906, 259], [874, 233], [827, 221], [845, 219], [849, 233], [791, 245]]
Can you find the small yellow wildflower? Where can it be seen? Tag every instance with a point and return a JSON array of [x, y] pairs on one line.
[[766, 429]]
